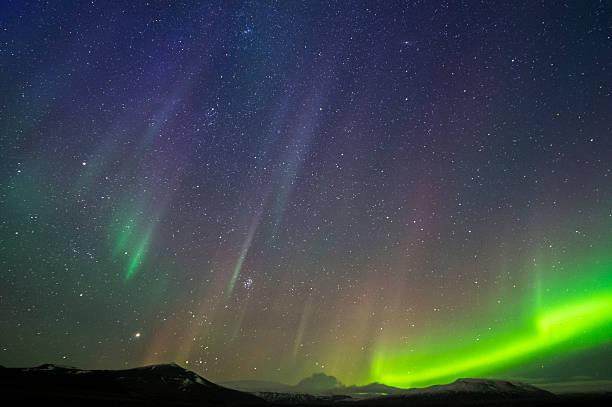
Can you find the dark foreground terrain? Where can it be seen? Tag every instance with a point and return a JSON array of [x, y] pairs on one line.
[[171, 385], [157, 385]]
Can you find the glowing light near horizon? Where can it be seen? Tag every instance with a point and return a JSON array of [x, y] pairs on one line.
[[585, 319]]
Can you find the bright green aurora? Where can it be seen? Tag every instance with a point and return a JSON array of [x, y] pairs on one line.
[[562, 322]]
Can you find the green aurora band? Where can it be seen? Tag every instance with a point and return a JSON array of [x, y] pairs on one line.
[[563, 325], [136, 258], [133, 244]]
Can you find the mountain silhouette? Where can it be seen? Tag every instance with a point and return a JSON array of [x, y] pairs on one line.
[[166, 384]]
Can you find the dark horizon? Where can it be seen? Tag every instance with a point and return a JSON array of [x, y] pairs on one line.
[[574, 385]]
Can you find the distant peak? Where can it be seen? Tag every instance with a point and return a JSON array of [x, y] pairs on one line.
[[51, 366], [46, 366], [319, 382], [163, 366], [172, 365], [479, 380], [490, 382], [482, 385]]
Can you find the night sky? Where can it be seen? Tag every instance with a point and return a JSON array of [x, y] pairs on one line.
[[403, 192]]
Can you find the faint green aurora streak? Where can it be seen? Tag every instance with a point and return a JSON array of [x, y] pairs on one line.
[[244, 251], [560, 325], [133, 244], [136, 258]]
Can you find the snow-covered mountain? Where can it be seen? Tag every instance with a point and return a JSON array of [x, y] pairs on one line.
[[479, 387], [467, 392]]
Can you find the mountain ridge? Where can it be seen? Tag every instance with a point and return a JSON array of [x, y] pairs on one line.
[[172, 385], [318, 383], [163, 384]]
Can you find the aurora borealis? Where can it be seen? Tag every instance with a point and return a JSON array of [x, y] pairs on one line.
[[568, 326], [402, 192]]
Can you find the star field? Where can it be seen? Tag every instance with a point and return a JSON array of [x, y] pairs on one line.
[[403, 192]]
